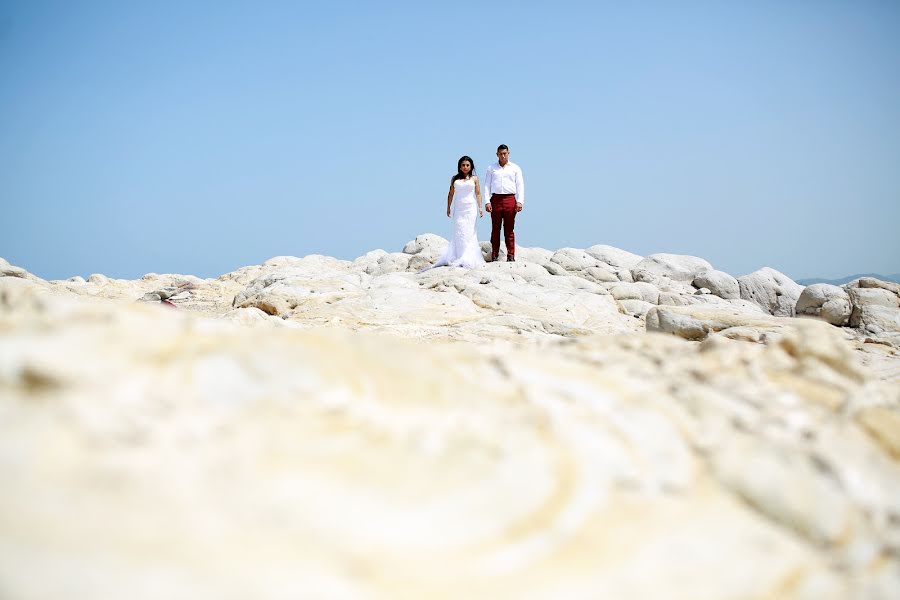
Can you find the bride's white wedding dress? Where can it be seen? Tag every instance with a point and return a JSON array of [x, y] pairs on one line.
[[463, 250]]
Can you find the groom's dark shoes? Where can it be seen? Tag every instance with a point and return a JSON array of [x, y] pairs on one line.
[[494, 258], [510, 259]]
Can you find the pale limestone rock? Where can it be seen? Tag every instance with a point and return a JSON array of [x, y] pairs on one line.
[[635, 307], [863, 297], [13, 271], [663, 283], [683, 325], [279, 292], [880, 320], [747, 306], [775, 292], [555, 269], [566, 307], [570, 282], [573, 259], [387, 263], [371, 256], [427, 243], [673, 299], [829, 302], [312, 264], [316, 458], [790, 487], [629, 291], [659, 281], [526, 270], [444, 297], [599, 275], [624, 275], [8, 270], [14, 289], [543, 458], [874, 309], [719, 283], [255, 317], [635, 291], [741, 333], [677, 267], [523, 253], [871, 282], [883, 423], [695, 322], [614, 257], [535, 255], [421, 261]]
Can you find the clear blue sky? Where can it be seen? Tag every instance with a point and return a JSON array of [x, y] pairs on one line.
[[198, 137]]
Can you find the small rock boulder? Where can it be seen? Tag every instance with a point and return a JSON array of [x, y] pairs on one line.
[[773, 291], [873, 308], [719, 283], [635, 308], [828, 302], [427, 244], [677, 267], [635, 291], [614, 257], [573, 259], [599, 275]]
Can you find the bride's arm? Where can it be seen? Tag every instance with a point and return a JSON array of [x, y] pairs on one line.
[[478, 194], [450, 197]]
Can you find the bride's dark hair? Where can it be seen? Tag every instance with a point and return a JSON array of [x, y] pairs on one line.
[[459, 173]]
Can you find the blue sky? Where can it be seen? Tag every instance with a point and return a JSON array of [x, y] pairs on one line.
[[192, 137]]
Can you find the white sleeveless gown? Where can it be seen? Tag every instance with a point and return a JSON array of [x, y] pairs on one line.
[[463, 250]]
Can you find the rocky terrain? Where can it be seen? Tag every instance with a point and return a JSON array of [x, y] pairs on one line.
[[584, 423]]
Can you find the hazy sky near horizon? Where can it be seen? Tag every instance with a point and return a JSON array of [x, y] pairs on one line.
[[199, 137]]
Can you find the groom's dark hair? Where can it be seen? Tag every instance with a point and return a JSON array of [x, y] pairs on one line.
[[502, 147]]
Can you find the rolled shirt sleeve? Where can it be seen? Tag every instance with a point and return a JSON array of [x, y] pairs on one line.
[[486, 187], [520, 187]]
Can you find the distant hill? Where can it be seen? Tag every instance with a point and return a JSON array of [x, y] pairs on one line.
[[895, 278]]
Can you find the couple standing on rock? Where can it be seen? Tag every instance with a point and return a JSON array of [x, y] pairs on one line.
[[505, 186]]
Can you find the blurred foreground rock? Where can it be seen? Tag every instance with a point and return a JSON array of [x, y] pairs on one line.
[[317, 428]]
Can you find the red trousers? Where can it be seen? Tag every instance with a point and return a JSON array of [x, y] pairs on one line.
[[503, 211]]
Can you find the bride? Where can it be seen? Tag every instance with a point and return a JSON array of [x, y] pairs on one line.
[[463, 250]]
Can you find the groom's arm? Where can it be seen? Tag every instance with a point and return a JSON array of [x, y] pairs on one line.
[[486, 190], [520, 189]]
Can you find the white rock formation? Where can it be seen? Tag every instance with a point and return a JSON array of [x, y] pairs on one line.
[[614, 257], [636, 291], [875, 306], [829, 302], [427, 243], [573, 259], [318, 428], [774, 292], [677, 267], [719, 283]]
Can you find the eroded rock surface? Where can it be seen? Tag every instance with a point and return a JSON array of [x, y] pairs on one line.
[[773, 291], [830, 302], [317, 428]]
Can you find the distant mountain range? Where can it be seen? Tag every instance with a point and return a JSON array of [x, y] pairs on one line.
[[895, 278]]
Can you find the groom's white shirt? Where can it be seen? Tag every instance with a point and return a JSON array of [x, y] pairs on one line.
[[505, 180]]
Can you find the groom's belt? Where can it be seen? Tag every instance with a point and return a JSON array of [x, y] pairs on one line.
[[504, 195]]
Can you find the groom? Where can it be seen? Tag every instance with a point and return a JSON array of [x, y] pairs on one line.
[[505, 189]]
